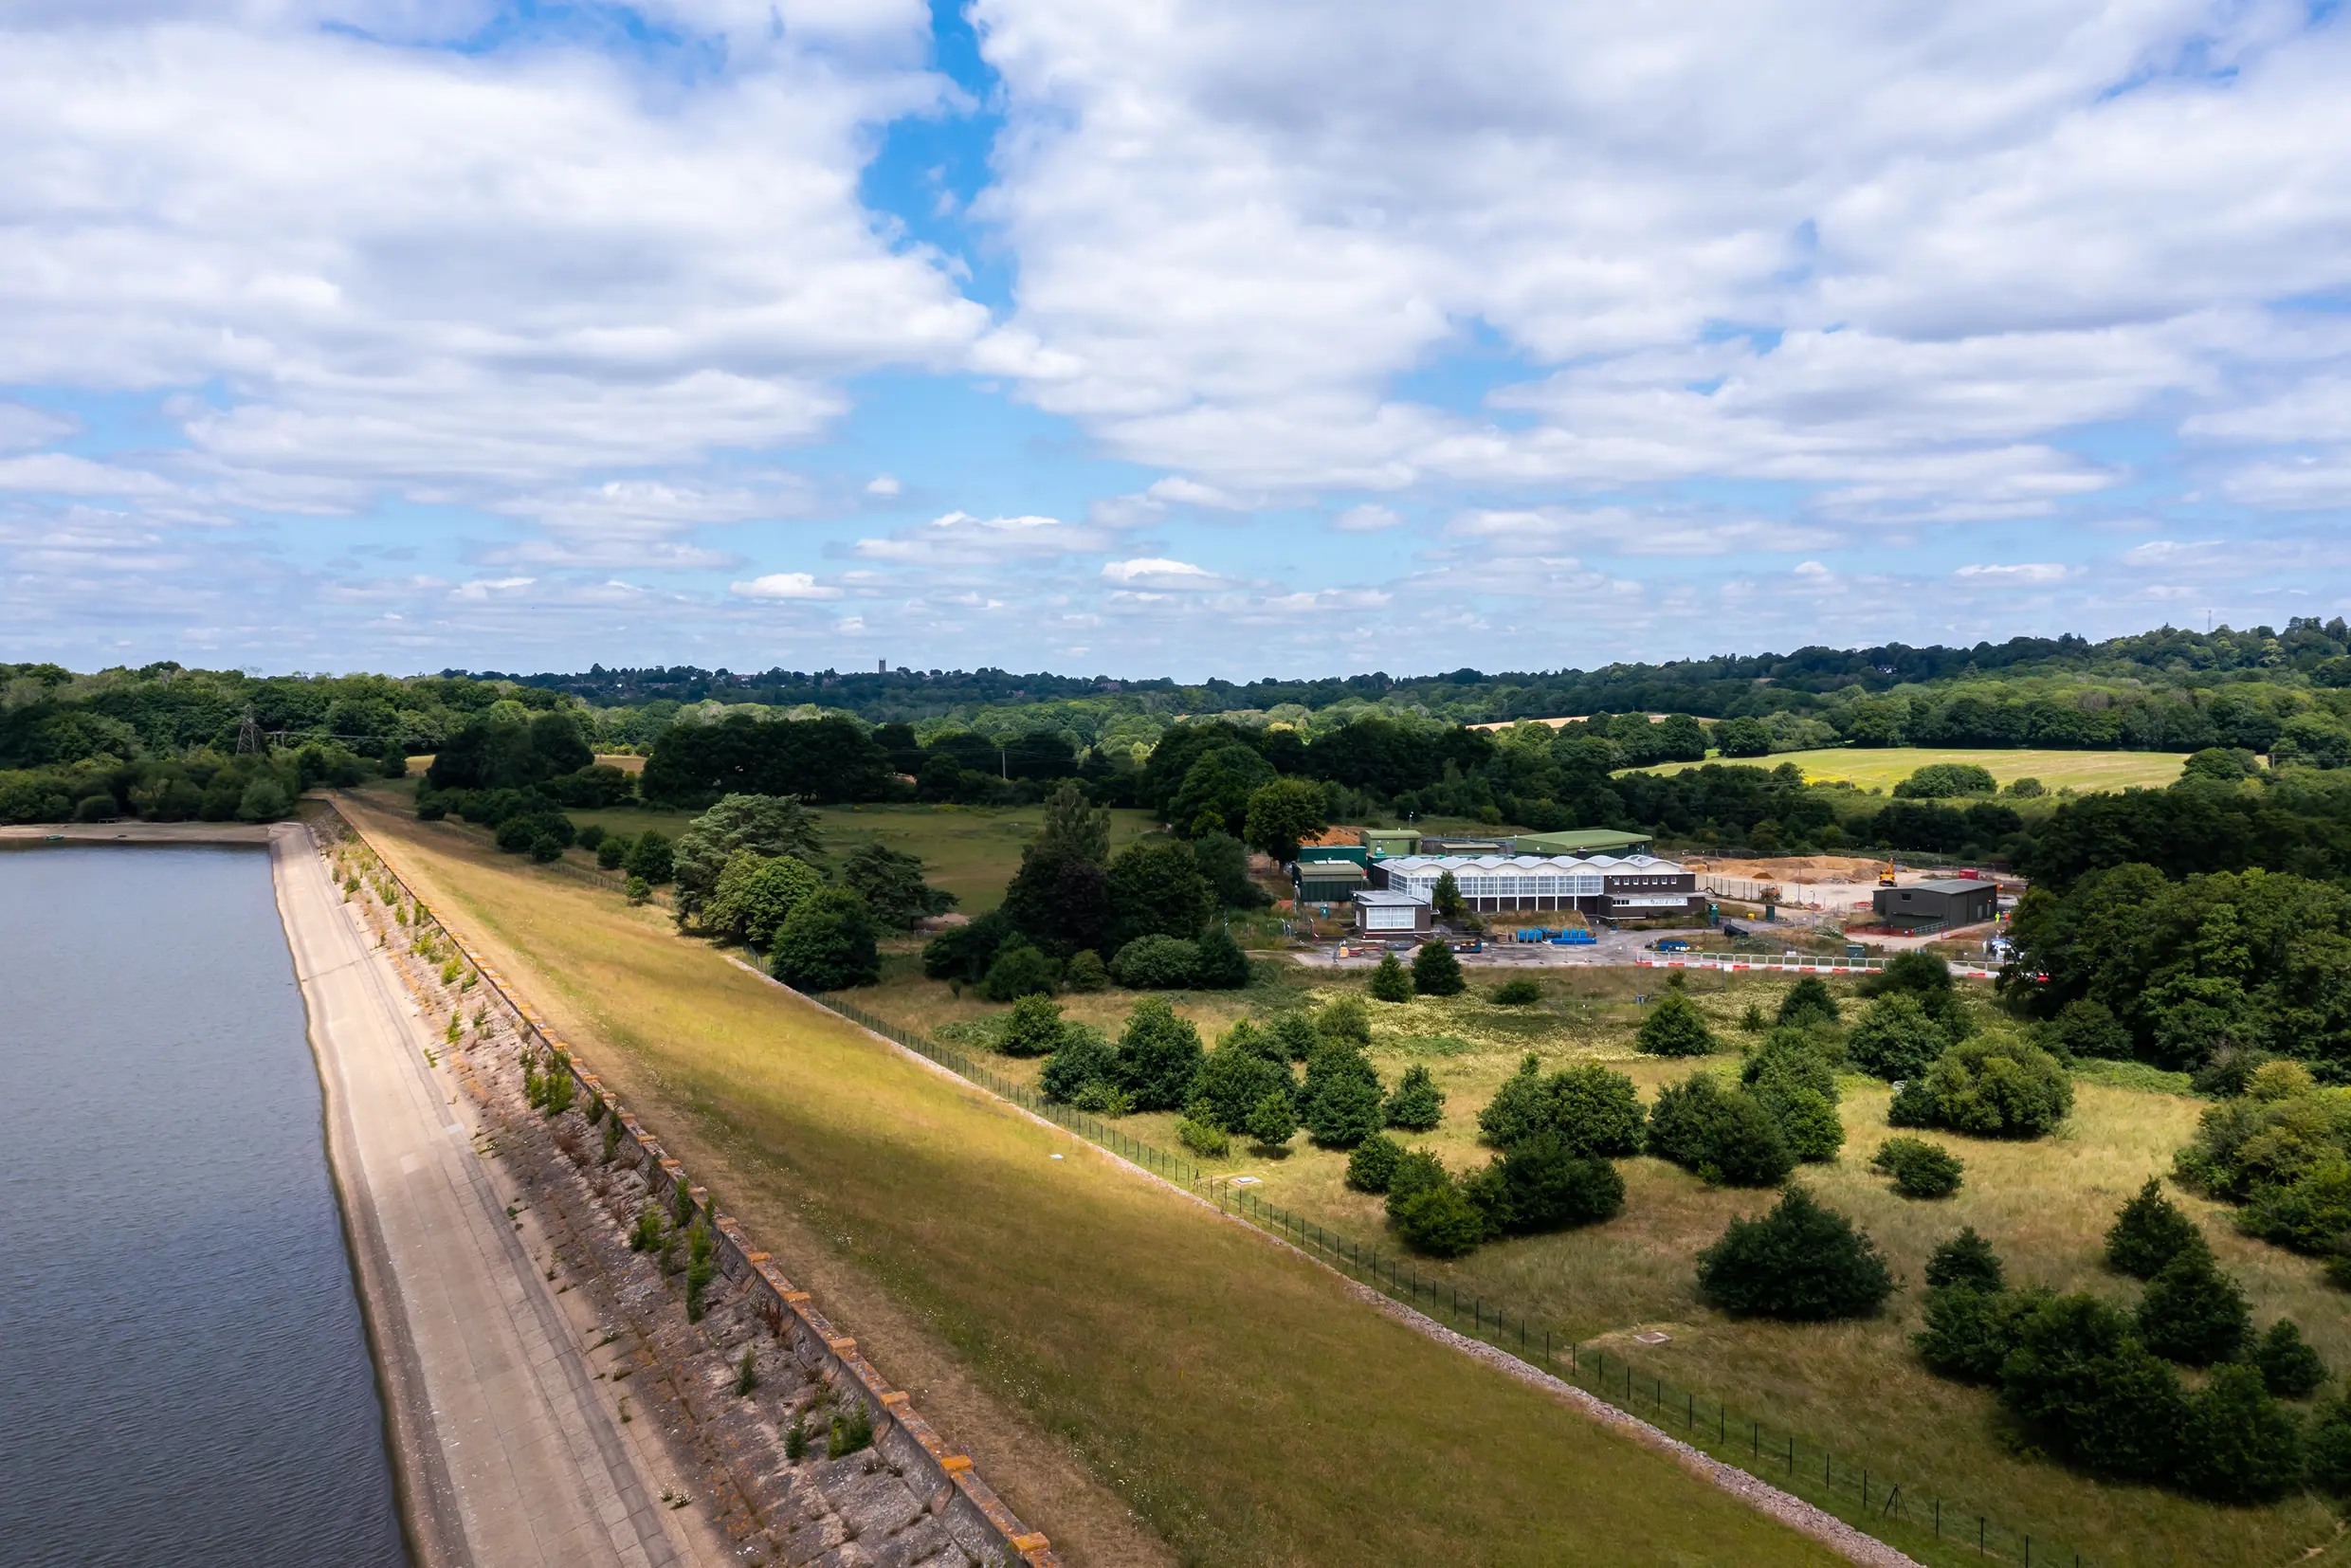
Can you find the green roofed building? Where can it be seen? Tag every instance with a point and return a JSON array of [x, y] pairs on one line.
[[1380, 843], [1582, 841]]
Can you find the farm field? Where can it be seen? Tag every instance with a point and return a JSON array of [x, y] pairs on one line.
[[1854, 1387], [972, 852], [1144, 1380], [1882, 768]]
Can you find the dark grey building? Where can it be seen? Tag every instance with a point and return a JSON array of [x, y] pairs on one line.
[[1937, 905]]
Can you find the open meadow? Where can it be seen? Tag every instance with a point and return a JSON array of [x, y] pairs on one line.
[[1853, 1386], [1145, 1381], [1883, 767]]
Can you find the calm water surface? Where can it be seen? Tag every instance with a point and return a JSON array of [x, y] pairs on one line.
[[183, 1376]]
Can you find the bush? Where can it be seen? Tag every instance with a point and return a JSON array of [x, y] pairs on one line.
[[1033, 1028], [1087, 972], [1159, 1055], [1969, 1332], [1273, 1121], [2193, 1312], [1340, 1102], [1966, 1259], [1675, 1028], [1085, 1057], [2330, 1448], [1520, 991], [1437, 1220], [1752, 1021], [1346, 1022], [1232, 1081], [652, 858], [1220, 964], [263, 800], [2310, 1214], [1940, 780], [636, 890], [1895, 1039], [826, 944], [1722, 1135], [1411, 1173], [546, 847], [853, 1432], [2149, 1232], [1436, 972], [1374, 1163], [1807, 1120], [2079, 1376], [1549, 1186], [2240, 1446], [1993, 1087], [1156, 963], [1204, 1138], [592, 836], [2086, 1028], [1920, 1169], [1595, 1110], [1389, 982], [1808, 1002], [1418, 1105], [1800, 1261], [2288, 1366], [1018, 970], [610, 853]]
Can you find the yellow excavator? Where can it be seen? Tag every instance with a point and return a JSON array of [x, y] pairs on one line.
[[1886, 875]]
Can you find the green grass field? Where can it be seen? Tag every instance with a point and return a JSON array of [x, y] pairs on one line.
[[972, 852], [1143, 1379], [1882, 768], [1853, 1386]]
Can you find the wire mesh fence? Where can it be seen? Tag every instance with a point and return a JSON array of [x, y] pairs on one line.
[[1921, 1522]]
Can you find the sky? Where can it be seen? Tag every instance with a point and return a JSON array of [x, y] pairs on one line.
[[1191, 337]]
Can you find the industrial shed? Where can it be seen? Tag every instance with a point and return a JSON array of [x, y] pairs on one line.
[[1490, 884], [1382, 913], [1937, 905], [1582, 842], [1327, 881]]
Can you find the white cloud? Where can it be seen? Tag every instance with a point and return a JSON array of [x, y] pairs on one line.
[[482, 588], [960, 538], [2025, 572], [1367, 518], [882, 484], [62, 474], [783, 585], [1159, 572]]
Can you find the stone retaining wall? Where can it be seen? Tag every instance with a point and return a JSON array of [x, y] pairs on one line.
[[974, 1516]]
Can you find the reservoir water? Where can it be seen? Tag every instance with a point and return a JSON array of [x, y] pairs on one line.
[[183, 1374]]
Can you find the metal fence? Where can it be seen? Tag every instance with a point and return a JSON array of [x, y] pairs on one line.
[[1925, 1523]]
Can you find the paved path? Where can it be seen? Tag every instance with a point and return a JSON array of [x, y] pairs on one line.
[[509, 1453]]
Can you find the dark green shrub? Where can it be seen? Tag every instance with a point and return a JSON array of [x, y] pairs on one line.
[[1722, 1135], [1437, 1220], [1273, 1121], [1220, 965], [1550, 1187], [1966, 1259], [1752, 1021], [1159, 1056], [647, 1234], [1597, 1111], [827, 943], [1519, 992], [2241, 1445], [2086, 1028], [1969, 1332], [1390, 982], [2193, 1312], [652, 858], [2091, 1392], [1807, 1121], [1232, 1081], [1790, 1059], [1033, 1028], [1019, 970], [2309, 1213], [2330, 1448], [1203, 1137], [1993, 1087], [2288, 1366], [1340, 1102], [611, 1139], [612, 852], [1374, 1163], [1675, 1028], [964, 952], [1087, 972], [636, 890], [1156, 963], [747, 1373], [1418, 1105], [795, 1441], [1085, 1057], [1920, 1169], [1895, 1039], [698, 1270], [2148, 1233], [559, 1086], [1411, 1172], [590, 837], [1436, 972], [1808, 1002], [1800, 1261], [1346, 1022], [853, 1432]]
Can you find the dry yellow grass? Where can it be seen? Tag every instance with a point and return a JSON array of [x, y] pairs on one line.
[[1853, 1386], [1234, 1395], [1882, 768]]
